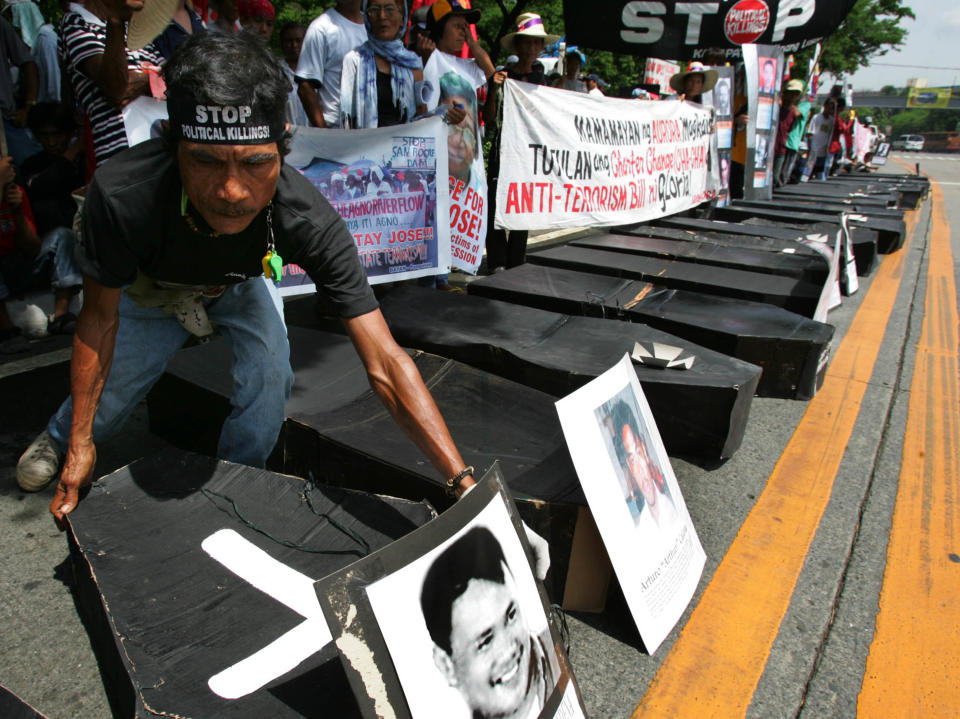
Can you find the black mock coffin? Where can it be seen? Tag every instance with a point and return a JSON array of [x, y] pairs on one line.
[[796, 295], [704, 252], [338, 428], [904, 195], [865, 189], [164, 616], [338, 431], [815, 204], [911, 188], [890, 232], [769, 234], [13, 707], [866, 254], [701, 412], [793, 351], [772, 237]]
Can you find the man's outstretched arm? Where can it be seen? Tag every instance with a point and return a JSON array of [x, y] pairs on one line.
[[93, 344], [397, 382]]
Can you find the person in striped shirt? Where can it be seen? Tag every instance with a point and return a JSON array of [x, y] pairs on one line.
[[105, 74]]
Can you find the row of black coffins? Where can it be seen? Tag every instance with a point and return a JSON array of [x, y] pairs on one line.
[[171, 551]]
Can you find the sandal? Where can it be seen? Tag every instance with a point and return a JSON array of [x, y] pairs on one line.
[[65, 324]]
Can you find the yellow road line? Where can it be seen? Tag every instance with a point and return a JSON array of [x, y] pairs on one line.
[[713, 668], [913, 669]]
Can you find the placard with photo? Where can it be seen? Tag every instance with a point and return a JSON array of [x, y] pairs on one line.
[[450, 621], [634, 497], [762, 65]]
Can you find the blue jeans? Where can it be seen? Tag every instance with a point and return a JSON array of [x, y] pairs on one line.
[[250, 315], [53, 264]]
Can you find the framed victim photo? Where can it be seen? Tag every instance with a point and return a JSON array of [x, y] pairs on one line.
[[450, 621], [634, 497]]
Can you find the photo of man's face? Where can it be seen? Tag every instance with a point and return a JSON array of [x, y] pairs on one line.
[[768, 79], [462, 140], [482, 644], [489, 651], [642, 481], [760, 154], [721, 94]]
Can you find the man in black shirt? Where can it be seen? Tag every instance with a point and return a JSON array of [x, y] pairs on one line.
[[177, 235]]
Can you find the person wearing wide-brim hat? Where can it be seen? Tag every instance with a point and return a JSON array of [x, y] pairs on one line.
[[696, 80], [526, 42], [529, 25]]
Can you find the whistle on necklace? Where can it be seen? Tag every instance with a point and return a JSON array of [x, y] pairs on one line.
[[272, 266]]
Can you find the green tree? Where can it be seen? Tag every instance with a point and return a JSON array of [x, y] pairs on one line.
[[873, 28]]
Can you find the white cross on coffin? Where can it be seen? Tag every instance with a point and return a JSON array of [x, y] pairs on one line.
[[287, 586]]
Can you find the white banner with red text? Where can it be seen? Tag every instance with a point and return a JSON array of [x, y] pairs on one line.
[[572, 160]]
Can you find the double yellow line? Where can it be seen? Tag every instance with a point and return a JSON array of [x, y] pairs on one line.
[[714, 667]]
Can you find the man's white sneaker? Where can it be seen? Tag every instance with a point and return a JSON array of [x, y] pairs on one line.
[[39, 464]]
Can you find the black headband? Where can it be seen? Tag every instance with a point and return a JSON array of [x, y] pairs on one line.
[[209, 124]]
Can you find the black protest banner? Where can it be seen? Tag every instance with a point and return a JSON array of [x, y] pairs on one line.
[[684, 30]]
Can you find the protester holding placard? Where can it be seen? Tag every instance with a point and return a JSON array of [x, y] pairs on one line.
[[105, 73], [382, 81], [691, 85], [454, 84]]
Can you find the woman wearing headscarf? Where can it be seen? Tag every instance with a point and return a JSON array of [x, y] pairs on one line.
[[382, 81]]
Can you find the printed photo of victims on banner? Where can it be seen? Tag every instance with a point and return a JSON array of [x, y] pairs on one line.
[[384, 184]]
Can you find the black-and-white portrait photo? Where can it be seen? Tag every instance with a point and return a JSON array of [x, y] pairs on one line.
[[466, 628], [760, 153], [721, 96]]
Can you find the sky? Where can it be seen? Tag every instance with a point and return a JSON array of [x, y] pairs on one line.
[[932, 40]]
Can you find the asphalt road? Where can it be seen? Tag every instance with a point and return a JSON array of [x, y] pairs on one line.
[[805, 656]]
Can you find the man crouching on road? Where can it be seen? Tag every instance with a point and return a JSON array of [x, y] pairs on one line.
[[176, 234]]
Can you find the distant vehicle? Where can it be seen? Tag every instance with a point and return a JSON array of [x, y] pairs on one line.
[[926, 98], [908, 142]]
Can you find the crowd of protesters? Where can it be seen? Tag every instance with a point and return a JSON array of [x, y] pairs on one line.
[[360, 64]]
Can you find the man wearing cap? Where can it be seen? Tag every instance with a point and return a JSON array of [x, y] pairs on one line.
[[329, 38], [177, 233], [790, 116], [594, 83], [691, 84]]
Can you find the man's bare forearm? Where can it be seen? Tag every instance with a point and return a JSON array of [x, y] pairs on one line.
[[112, 77], [93, 345], [397, 382], [311, 103]]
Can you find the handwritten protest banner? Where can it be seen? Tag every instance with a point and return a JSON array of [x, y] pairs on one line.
[[660, 71], [384, 184], [570, 160]]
